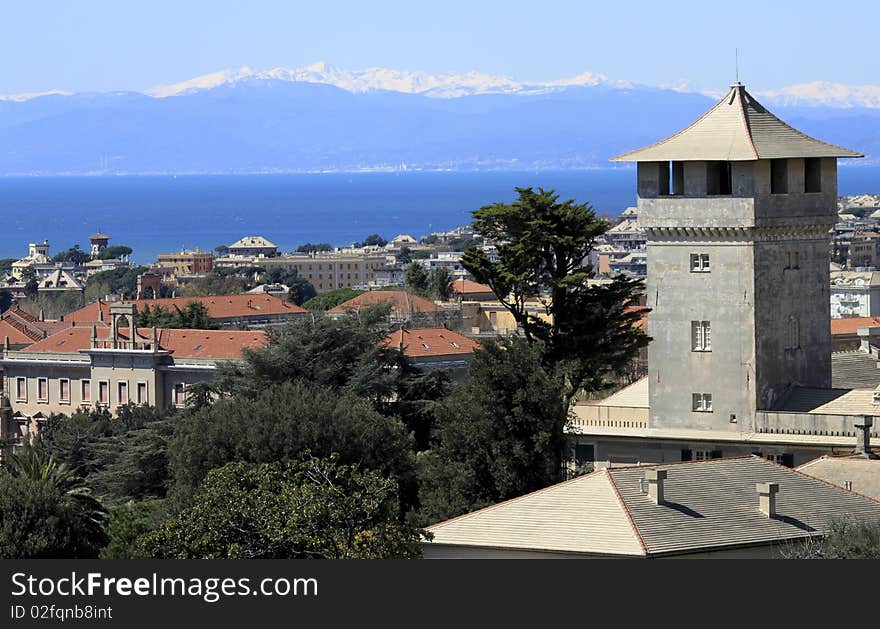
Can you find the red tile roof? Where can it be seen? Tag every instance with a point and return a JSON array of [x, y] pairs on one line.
[[15, 335], [466, 287], [182, 343], [219, 307], [29, 325], [642, 323], [401, 302], [420, 342], [850, 325]]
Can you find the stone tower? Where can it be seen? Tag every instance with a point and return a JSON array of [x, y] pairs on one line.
[[98, 243], [737, 209]]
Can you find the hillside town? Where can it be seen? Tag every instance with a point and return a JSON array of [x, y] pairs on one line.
[[719, 344]]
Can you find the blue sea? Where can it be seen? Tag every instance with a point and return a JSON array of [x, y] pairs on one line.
[[162, 214]]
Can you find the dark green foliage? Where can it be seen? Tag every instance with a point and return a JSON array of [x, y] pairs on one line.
[[314, 248], [300, 289], [282, 421], [55, 304], [6, 263], [220, 282], [374, 240], [193, 316], [5, 300], [315, 508], [221, 250], [114, 252], [404, 257], [418, 280], [319, 349], [440, 284], [501, 433], [127, 523], [121, 281], [46, 511], [74, 255], [123, 458], [329, 300], [542, 244]]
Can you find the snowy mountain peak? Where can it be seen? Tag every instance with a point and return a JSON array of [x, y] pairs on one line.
[[825, 93], [447, 85]]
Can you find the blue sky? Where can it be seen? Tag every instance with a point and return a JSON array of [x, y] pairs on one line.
[[119, 45]]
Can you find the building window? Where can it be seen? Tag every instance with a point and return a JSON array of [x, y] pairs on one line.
[[705, 455], [42, 389], [86, 391], [104, 392], [812, 174], [701, 336], [792, 336], [778, 176], [792, 260], [700, 263], [122, 392], [64, 396], [21, 389], [142, 393], [180, 395], [702, 402]]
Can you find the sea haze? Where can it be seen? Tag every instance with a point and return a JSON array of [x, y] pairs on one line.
[[161, 214]]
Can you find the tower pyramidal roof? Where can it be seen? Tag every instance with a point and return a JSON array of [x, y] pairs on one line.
[[737, 128]]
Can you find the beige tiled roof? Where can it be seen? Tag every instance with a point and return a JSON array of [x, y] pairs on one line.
[[709, 505], [864, 474], [582, 515], [830, 401], [738, 128], [633, 396]]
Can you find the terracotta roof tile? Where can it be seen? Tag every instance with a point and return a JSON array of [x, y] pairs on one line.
[[421, 342], [850, 325], [182, 343], [401, 302], [219, 307], [465, 287]]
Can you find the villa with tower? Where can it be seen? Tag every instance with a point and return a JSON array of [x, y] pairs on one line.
[[737, 209]]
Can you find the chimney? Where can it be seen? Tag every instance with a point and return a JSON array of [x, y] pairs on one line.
[[767, 498], [655, 479], [863, 437], [866, 334]]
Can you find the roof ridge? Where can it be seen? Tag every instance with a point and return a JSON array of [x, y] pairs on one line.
[[625, 510], [740, 90]]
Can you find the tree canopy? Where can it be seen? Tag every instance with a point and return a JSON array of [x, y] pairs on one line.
[[308, 508], [331, 299], [543, 245], [500, 433], [46, 510]]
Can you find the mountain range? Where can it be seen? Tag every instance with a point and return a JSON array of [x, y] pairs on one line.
[[322, 118]]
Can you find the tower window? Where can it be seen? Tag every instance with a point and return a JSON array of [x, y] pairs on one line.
[[792, 336], [812, 174], [699, 262], [701, 336], [718, 178], [778, 176], [701, 402]]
